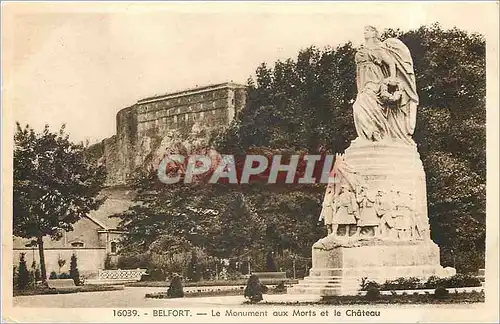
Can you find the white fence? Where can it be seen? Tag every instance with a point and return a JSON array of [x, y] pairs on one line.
[[121, 275]]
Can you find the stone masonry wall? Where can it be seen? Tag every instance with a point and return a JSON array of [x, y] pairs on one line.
[[151, 123]]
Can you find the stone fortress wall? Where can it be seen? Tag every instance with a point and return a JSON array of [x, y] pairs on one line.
[[151, 119]]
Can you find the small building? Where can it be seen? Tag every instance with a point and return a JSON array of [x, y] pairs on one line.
[[93, 237]]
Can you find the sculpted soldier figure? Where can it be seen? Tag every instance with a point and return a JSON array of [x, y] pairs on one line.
[[383, 209], [345, 209], [402, 215], [367, 213], [327, 210]]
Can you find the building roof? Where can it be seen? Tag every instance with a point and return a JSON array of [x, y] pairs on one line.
[[119, 200], [185, 92]]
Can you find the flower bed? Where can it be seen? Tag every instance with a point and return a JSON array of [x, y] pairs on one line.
[[454, 298], [212, 292], [456, 281], [239, 282], [208, 283], [48, 291]]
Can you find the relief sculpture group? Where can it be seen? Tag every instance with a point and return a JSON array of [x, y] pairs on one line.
[[357, 212]]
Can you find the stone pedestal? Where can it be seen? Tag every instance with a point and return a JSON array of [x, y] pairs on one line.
[[339, 271], [389, 165]]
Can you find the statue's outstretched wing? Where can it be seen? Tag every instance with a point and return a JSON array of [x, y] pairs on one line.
[[404, 63], [405, 73], [398, 48]]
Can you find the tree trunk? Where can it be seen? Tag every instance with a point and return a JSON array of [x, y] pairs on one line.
[[42, 259]]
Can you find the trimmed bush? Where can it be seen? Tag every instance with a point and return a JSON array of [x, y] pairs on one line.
[[175, 290], [402, 284], [433, 282], [441, 293], [73, 270], [280, 287], [367, 284], [461, 280], [23, 275], [372, 293], [53, 275], [254, 289], [456, 281]]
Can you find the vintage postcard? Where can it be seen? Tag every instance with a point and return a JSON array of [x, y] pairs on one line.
[[250, 162]]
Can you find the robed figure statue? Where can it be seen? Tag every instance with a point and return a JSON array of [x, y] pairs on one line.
[[386, 104]]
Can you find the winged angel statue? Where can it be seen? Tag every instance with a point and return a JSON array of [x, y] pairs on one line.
[[386, 104]]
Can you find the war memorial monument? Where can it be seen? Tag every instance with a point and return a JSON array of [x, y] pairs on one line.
[[375, 209]]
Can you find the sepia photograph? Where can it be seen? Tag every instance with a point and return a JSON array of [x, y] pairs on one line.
[[250, 161]]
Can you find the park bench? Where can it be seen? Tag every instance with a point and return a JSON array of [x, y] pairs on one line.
[[62, 285], [272, 278]]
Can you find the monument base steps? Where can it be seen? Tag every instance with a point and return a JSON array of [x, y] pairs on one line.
[[340, 271]]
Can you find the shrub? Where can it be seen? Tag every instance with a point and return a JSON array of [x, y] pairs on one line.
[[280, 287], [108, 263], [175, 290], [53, 275], [366, 284], [433, 282], [73, 270], [441, 293], [402, 283], [23, 275], [461, 280], [254, 289], [372, 293], [134, 261], [155, 275]]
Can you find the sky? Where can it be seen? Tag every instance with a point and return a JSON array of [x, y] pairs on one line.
[[80, 63]]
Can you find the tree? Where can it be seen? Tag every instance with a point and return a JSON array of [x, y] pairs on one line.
[[73, 270], [450, 67], [54, 185], [194, 268], [23, 276]]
